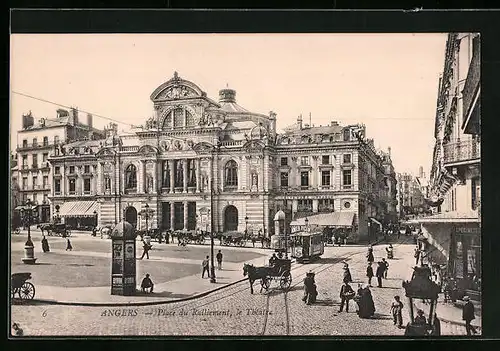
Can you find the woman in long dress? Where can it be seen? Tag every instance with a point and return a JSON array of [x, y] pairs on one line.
[[365, 302]]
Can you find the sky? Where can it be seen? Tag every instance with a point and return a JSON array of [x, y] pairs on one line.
[[389, 82]]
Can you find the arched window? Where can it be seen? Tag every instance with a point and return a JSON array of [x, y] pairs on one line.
[[231, 173], [131, 177]]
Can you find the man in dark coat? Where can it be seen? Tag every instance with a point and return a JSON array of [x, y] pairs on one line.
[[380, 273], [310, 291], [347, 274], [147, 283], [346, 294], [468, 315], [219, 259], [146, 247], [45, 244], [369, 273], [369, 255]]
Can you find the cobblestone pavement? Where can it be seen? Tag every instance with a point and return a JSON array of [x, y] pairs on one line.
[[234, 311]]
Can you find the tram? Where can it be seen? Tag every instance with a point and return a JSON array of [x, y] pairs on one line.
[[307, 246]]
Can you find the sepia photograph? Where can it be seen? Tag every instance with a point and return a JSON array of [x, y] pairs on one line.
[[247, 185]]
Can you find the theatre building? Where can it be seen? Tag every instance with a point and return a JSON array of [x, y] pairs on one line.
[[198, 160]]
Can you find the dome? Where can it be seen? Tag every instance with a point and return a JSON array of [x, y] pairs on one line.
[[258, 132], [279, 216], [124, 230]]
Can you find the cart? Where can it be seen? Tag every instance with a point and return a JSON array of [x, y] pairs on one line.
[[20, 286]]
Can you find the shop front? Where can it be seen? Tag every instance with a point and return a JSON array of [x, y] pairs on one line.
[[455, 245]]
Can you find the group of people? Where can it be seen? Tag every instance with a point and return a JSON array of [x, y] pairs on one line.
[[382, 267], [46, 247]]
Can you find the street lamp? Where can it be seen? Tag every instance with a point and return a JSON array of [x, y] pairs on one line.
[[57, 213], [147, 216], [29, 248], [307, 222], [95, 215], [246, 226]]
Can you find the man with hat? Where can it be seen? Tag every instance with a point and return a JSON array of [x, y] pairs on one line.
[[147, 283], [420, 318], [468, 315], [310, 291]]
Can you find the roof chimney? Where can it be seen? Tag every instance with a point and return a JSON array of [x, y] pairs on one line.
[[389, 150], [28, 120], [334, 123], [299, 121], [90, 120]]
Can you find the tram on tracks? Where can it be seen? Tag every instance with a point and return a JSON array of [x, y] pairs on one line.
[[307, 246]]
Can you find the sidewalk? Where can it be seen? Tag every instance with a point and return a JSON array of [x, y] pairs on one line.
[[446, 312], [175, 290]]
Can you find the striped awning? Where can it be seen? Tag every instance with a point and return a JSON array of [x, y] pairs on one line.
[[78, 209]]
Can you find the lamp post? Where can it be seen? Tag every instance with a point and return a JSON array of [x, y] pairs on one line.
[[307, 223], [57, 214], [146, 214], [29, 248], [95, 216], [246, 226]]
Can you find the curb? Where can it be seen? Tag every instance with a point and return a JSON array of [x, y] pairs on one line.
[[449, 321], [148, 303]]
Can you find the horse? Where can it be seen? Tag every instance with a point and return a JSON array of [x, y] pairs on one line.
[[255, 273], [45, 227]]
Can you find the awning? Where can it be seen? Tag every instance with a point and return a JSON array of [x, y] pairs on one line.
[[375, 221], [78, 209], [333, 219], [22, 207], [452, 217]]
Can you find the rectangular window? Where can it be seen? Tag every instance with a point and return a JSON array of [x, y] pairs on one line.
[[304, 160], [57, 170], [45, 157], [71, 169], [304, 205], [35, 182], [347, 158], [57, 186], [35, 160], [25, 143], [25, 183], [284, 161], [304, 179], [45, 198], [86, 185], [284, 180], [325, 159], [45, 182], [35, 142], [325, 178], [107, 183], [87, 169], [72, 186], [25, 161], [346, 177], [45, 141]]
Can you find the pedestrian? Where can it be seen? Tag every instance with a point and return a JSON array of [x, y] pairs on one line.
[[397, 311], [420, 318], [369, 255], [16, 330], [468, 315], [416, 254], [399, 233], [219, 260], [386, 264], [436, 330], [365, 303], [45, 244], [369, 273], [68, 245], [380, 273], [261, 241], [146, 284], [145, 247], [346, 294], [347, 274], [204, 265], [310, 290], [253, 241]]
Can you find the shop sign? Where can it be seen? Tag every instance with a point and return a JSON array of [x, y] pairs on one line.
[[468, 230]]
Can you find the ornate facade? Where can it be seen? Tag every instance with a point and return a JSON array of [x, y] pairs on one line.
[[198, 159]]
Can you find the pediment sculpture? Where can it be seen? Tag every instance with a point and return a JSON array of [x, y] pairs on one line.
[[176, 92], [165, 145]]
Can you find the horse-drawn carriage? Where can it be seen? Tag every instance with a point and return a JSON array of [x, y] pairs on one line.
[[234, 238], [279, 271], [189, 237], [57, 229], [20, 286]]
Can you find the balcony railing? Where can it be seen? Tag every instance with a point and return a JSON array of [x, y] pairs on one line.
[[33, 146], [460, 151], [471, 84]]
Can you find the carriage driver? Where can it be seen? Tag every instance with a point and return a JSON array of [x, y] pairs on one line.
[[273, 260]]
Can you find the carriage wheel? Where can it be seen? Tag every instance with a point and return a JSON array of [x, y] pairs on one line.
[[265, 282], [68, 232], [17, 231], [27, 291], [285, 280], [242, 243], [14, 291]]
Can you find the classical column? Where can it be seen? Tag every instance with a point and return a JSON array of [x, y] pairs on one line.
[[141, 184], [172, 170], [155, 176], [185, 205], [315, 205], [198, 164], [172, 215], [99, 178], [185, 175]]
